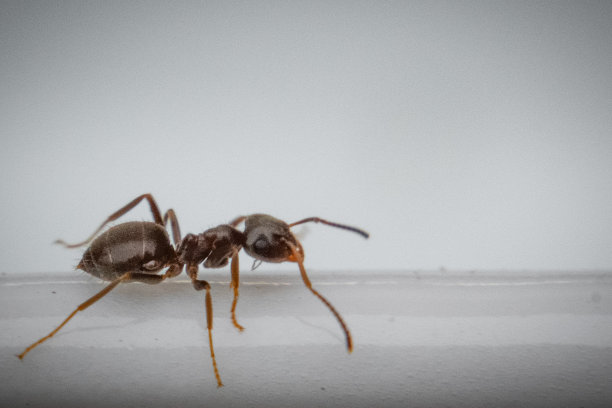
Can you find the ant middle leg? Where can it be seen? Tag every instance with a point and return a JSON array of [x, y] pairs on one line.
[[198, 284], [154, 210], [176, 231]]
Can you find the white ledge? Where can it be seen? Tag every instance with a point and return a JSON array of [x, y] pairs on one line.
[[470, 339]]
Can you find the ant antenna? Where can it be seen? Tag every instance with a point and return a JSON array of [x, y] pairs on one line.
[[331, 224]]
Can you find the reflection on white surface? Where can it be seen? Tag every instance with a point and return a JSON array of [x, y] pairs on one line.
[[381, 330], [421, 339]]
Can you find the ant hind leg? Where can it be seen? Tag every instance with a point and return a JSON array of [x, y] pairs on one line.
[[154, 210], [128, 277]]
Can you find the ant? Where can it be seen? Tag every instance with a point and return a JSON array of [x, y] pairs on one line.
[[136, 251]]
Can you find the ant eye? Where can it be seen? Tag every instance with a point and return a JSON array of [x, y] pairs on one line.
[[261, 244], [267, 247]]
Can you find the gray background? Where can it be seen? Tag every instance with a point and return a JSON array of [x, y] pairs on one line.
[[460, 134]]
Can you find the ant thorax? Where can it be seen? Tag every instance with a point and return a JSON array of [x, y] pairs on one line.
[[215, 247]]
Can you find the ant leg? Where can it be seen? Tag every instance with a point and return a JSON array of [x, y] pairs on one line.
[[128, 277], [79, 308], [173, 271], [332, 224], [300, 261], [192, 271], [176, 231], [234, 285], [154, 209], [237, 220]]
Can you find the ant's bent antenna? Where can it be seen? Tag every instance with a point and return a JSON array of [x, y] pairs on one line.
[[332, 224]]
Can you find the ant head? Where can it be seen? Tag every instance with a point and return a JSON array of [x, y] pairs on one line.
[[270, 239]]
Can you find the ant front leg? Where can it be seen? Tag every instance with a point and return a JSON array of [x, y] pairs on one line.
[[192, 271], [235, 283], [297, 256], [154, 210]]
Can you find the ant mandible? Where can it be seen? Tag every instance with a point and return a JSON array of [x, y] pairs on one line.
[[136, 251]]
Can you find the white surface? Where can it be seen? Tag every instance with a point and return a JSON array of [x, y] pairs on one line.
[[471, 134], [423, 339]]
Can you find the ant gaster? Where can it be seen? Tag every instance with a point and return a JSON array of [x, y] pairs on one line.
[[137, 251]]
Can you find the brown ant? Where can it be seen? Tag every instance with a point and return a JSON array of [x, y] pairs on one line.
[[136, 251]]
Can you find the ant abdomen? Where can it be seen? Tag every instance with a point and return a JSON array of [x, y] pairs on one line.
[[128, 247]]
